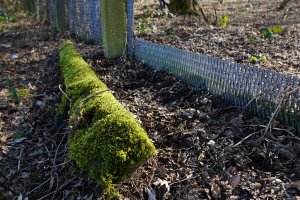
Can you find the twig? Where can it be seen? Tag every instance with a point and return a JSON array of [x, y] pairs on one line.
[[57, 183], [66, 183], [70, 100], [45, 196], [278, 129], [19, 159], [54, 163], [254, 98], [285, 94], [202, 12], [88, 97], [151, 78], [62, 164], [28, 193], [248, 136], [186, 179]]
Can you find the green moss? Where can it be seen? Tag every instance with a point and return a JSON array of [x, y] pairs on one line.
[[17, 136], [108, 143], [62, 106], [113, 147], [95, 108]]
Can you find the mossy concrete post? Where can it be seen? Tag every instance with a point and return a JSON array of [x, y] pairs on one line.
[[61, 16], [113, 13]]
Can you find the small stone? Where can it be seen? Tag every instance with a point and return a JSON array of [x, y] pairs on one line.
[[187, 114], [204, 101], [278, 181], [215, 191], [40, 104], [211, 143], [201, 157], [257, 185], [14, 56]]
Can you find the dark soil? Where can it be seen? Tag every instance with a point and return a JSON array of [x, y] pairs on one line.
[[206, 148], [203, 148], [239, 40], [33, 156]]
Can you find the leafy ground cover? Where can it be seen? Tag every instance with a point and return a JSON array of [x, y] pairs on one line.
[[207, 149], [251, 32]]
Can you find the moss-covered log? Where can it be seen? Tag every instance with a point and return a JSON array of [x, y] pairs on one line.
[[113, 16], [108, 143]]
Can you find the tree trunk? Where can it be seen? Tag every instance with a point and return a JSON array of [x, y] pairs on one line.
[[182, 6], [283, 5]]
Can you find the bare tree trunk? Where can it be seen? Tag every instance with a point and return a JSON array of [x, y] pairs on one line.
[[283, 5], [182, 6], [187, 7]]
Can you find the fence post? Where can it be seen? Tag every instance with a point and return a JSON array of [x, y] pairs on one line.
[[113, 13], [61, 16], [130, 18]]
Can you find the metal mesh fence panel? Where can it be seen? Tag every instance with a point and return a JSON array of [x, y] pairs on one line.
[[51, 12], [84, 19], [259, 90]]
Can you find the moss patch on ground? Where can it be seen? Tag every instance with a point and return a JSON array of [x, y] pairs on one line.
[[108, 142]]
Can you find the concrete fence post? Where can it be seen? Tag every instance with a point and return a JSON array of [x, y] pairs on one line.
[[113, 13]]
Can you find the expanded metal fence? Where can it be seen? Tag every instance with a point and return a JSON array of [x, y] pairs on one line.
[[262, 91], [51, 12], [259, 90], [84, 19]]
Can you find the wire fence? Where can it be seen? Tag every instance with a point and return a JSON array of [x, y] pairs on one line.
[[84, 19], [262, 91], [258, 90]]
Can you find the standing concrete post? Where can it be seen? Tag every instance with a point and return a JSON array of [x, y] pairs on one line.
[[61, 15], [113, 13]]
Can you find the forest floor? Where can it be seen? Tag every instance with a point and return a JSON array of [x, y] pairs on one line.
[[207, 149], [241, 39]]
